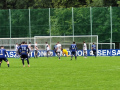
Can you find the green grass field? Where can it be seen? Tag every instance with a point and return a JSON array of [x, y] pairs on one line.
[[101, 73]]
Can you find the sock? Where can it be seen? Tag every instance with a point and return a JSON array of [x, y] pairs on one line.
[[23, 61], [8, 65], [75, 57], [27, 61], [71, 57], [0, 64]]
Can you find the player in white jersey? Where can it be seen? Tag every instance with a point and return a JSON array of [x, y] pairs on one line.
[[58, 49], [29, 46], [85, 49], [47, 46], [16, 49], [36, 50]]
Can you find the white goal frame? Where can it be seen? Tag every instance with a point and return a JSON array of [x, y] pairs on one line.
[[89, 36]]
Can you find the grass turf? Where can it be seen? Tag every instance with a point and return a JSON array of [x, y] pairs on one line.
[[101, 73]]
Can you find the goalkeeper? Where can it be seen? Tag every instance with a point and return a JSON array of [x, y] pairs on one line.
[[64, 51]]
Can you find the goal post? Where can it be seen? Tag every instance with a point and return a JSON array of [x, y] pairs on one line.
[[66, 41]]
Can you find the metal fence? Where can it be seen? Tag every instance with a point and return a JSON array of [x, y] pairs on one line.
[[101, 21]]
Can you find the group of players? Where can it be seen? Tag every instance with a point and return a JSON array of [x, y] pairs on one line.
[[24, 51]]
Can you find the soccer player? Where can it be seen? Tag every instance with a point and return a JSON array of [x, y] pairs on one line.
[[94, 49], [24, 53], [73, 49], [3, 55], [85, 49], [55, 49], [36, 50], [64, 51], [16, 49], [47, 49], [58, 50], [29, 46]]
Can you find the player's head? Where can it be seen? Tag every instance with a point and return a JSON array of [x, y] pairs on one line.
[[23, 42], [46, 42], [29, 42], [93, 43], [83, 41], [57, 42], [62, 49], [73, 42], [2, 46]]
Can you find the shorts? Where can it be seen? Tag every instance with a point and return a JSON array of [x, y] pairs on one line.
[[36, 51], [24, 56], [85, 51], [73, 53], [5, 59], [94, 51]]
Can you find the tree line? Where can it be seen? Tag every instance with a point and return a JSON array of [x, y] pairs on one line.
[[35, 4], [60, 18]]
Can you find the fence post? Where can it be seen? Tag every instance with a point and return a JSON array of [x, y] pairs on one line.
[[10, 26], [50, 27], [29, 25], [111, 26], [91, 22], [73, 22]]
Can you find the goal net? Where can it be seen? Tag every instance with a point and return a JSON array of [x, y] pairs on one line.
[[9, 43], [65, 41]]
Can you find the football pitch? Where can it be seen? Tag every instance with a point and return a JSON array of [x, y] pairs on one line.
[[101, 73]]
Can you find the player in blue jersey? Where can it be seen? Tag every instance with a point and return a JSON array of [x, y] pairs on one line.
[[94, 49], [73, 49], [24, 50], [55, 49], [3, 56]]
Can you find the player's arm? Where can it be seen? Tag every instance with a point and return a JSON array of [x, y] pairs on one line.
[[76, 48], [49, 46], [92, 47], [28, 49], [6, 53]]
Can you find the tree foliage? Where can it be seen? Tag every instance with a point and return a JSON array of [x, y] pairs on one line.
[[60, 18]]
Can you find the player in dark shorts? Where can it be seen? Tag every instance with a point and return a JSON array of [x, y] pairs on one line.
[[24, 53], [94, 49], [73, 49], [3, 55]]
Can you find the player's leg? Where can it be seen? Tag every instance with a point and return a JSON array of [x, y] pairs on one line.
[[22, 58], [58, 54], [47, 53], [29, 54], [71, 55], [75, 56], [85, 53], [27, 60], [6, 60], [94, 52], [36, 54]]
